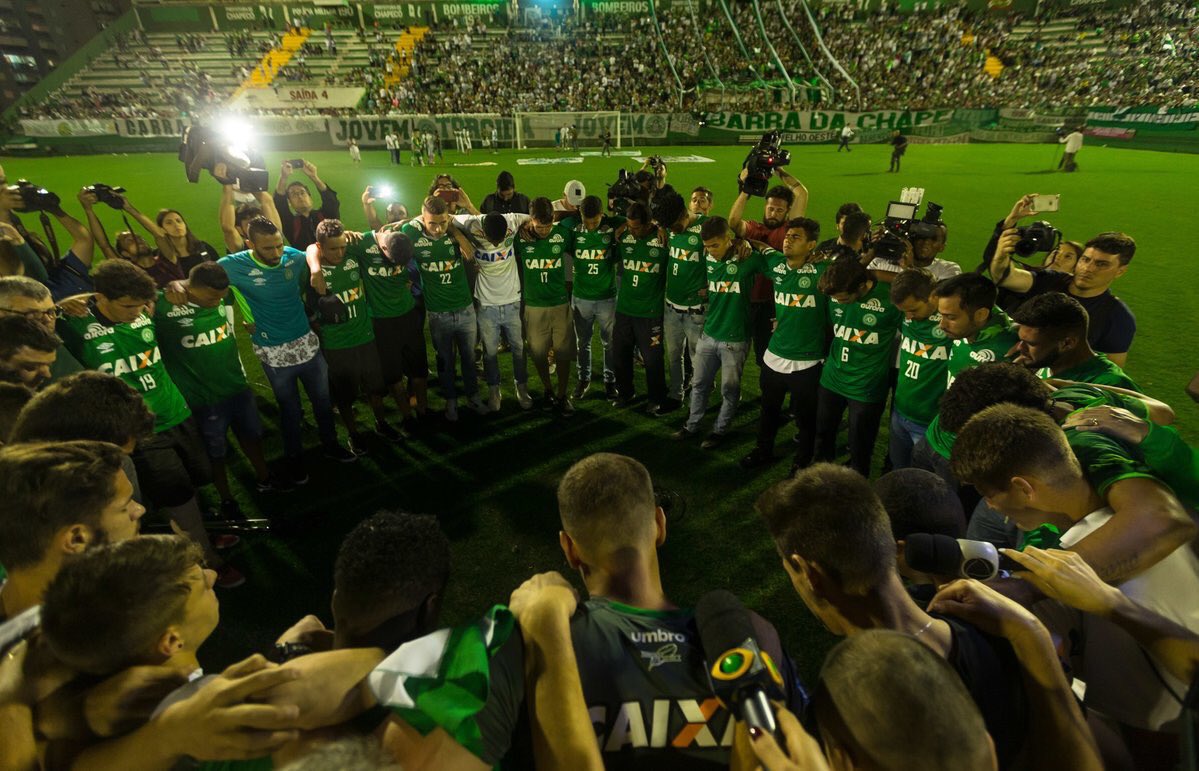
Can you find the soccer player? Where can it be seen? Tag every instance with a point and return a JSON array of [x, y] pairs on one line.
[[118, 337], [899, 146], [294, 203], [593, 299], [1052, 328], [725, 339], [267, 281], [643, 253], [450, 309], [199, 347], [794, 358], [497, 290], [923, 363], [701, 201], [547, 302], [399, 329], [686, 286], [855, 373], [347, 336]]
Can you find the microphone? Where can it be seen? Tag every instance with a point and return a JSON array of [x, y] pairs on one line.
[[946, 556], [743, 676]]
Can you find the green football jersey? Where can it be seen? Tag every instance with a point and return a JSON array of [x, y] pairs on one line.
[[800, 309], [643, 278], [442, 275], [863, 339], [687, 274], [923, 368], [991, 344], [130, 352], [543, 263], [1099, 369], [345, 281], [200, 351], [594, 259], [729, 282], [388, 286]]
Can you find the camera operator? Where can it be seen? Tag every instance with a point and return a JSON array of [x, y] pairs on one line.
[[899, 146], [1104, 259], [783, 203], [396, 211], [923, 255], [294, 202], [853, 227], [159, 263], [65, 276], [505, 199], [235, 218], [1073, 143]]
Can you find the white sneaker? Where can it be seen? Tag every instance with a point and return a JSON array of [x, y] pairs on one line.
[[451, 410], [493, 401], [522, 395], [476, 404]]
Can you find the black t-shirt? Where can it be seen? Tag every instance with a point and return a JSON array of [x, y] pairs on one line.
[[992, 674], [517, 204], [835, 250], [900, 143], [646, 687], [1112, 324], [300, 229], [203, 253]]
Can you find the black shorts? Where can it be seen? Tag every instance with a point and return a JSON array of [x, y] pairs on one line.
[[352, 370], [171, 465], [401, 344]]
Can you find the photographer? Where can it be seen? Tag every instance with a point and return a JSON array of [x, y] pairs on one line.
[[189, 250], [783, 203], [235, 218], [160, 263], [505, 199], [1073, 143], [447, 189], [396, 211], [65, 276], [922, 254], [294, 202]]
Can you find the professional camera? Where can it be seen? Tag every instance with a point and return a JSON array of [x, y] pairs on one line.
[[1037, 237], [900, 227], [106, 194], [624, 191], [202, 148], [34, 198], [762, 161], [655, 162]]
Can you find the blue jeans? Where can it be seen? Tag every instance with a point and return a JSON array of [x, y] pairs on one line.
[[493, 319], [904, 435], [729, 358], [586, 313], [214, 420], [449, 329], [314, 374], [680, 328]]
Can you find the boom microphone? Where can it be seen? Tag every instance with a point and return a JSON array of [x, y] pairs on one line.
[[945, 556], [743, 676]]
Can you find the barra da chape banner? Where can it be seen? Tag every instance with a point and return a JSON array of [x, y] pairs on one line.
[[822, 121]]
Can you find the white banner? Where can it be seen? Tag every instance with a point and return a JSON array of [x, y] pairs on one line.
[[287, 125], [53, 127], [295, 97], [151, 127]]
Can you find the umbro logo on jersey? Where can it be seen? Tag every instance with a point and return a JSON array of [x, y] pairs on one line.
[[105, 348], [186, 323], [657, 636]]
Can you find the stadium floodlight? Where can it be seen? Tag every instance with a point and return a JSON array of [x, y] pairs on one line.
[[238, 134]]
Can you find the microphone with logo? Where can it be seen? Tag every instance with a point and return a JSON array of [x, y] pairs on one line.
[[943, 555], [743, 676]]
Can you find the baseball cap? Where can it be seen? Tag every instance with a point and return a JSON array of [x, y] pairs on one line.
[[574, 192]]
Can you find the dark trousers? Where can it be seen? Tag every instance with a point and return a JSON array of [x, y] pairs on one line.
[[761, 326], [895, 156], [629, 332], [864, 418], [395, 155], [925, 457], [803, 387], [845, 144]]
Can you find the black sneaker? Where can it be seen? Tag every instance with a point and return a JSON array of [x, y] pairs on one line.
[[756, 459], [682, 434], [580, 391], [711, 441], [666, 407], [338, 453], [549, 402], [610, 392], [387, 431]]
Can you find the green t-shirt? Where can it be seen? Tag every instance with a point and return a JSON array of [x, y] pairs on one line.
[[388, 286], [923, 364], [345, 281], [729, 282], [800, 309], [991, 344], [861, 353], [643, 264], [686, 276], [442, 275], [542, 261], [1174, 461], [594, 259], [1105, 460], [1099, 369], [200, 351], [130, 352]]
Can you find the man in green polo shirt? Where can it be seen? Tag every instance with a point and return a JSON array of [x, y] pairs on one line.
[[399, 327], [593, 299], [725, 340], [855, 373], [923, 363], [644, 254], [795, 355], [547, 301], [1053, 330]]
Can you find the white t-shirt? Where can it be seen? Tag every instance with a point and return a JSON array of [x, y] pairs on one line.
[[499, 276], [941, 269], [392, 141], [1074, 142], [846, 132]]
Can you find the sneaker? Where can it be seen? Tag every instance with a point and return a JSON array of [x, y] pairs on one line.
[[665, 408], [549, 402], [229, 577], [354, 445], [756, 459], [476, 403], [225, 541], [522, 395], [387, 431], [621, 402], [451, 410], [682, 434], [581, 389], [711, 441], [494, 399], [566, 407], [610, 391], [340, 454], [277, 483]]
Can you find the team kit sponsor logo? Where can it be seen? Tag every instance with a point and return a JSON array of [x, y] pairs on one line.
[[790, 300], [859, 336], [211, 337], [631, 728], [128, 364], [930, 351], [641, 266]]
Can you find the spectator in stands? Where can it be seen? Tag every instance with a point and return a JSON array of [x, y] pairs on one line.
[[293, 200], [23, 296], [27, 351], [189, 251], [505, 199]]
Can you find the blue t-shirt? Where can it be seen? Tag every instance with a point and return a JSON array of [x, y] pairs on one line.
[[69, 277], [269, 297]]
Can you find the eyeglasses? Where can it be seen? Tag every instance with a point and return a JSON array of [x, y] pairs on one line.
[[50, 313]]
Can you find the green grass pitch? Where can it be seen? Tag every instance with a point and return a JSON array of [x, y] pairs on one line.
[[491, 480]]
